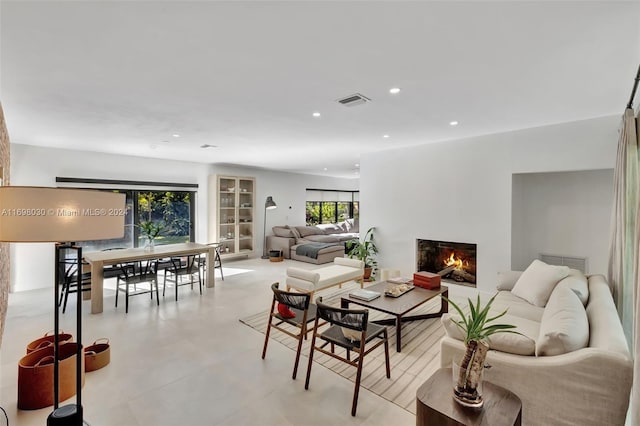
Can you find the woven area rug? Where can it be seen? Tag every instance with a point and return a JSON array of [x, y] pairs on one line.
[[419, 359]]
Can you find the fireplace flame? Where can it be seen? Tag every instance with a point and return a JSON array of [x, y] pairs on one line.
[[456, 262]]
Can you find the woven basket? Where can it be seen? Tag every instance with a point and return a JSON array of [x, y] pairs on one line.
[[47, 340], [97, 355], [35, 376]]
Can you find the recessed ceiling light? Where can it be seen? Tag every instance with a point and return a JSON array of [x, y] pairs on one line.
[[453, 123], [325, 169], [357, 165], [316, 114], [394, 90], [385, 136], [175, 135]]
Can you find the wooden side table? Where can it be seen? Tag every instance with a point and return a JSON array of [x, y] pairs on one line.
[[436, 406]]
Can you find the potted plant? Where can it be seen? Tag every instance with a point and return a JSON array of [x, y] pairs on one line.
[[477, 327], [151, 230], [365, 251]]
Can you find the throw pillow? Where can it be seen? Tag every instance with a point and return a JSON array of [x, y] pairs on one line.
[[305, 231], [507, 279], [538, 281], [577, 282], [285, 311], [282, 231], [295, 232], [564, 327]]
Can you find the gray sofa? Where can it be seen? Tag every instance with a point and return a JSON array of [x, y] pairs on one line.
[[287, 238], [586, 384]]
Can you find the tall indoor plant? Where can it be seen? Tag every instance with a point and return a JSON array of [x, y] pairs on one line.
[[364, 250], [477, 327]]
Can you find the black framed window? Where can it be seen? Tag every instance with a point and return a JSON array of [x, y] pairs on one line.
[[331, 206]]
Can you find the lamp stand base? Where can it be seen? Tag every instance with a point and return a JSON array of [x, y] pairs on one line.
[[67, 415]]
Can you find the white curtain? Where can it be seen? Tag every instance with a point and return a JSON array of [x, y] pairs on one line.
[[623, 258]]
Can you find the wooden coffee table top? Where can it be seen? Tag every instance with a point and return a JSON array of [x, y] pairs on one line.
[[397, 305]]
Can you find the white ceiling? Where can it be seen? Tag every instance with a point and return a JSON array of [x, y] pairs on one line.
[[123, 77]]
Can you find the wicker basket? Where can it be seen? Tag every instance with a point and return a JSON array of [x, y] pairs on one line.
[[35, 376], [47, 340], [97, 355]]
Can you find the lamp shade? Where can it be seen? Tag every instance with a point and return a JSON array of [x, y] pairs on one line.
[[270, 204], [42, 214]]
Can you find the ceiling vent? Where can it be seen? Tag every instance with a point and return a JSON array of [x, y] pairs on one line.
[[353, 100]]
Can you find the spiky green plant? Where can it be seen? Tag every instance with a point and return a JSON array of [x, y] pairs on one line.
[[477, 327]]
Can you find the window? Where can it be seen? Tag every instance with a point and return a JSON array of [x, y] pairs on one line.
[[331, 206]]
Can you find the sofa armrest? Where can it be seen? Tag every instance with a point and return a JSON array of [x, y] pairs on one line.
[[281, 243], [589, 386], [354, 263]]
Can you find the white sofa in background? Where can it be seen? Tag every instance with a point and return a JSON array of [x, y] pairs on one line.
[[572, 366], [341, 271]]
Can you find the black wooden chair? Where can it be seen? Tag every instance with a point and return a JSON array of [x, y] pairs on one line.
[[182, 267], [134, 273], [217, 261], [305, 312], [370, 337], [68, 273]]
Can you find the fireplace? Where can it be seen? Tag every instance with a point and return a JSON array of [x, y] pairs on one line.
[[454, 262]]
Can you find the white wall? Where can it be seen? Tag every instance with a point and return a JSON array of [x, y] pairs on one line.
[[461, 190], [39, 166], [563, 213]]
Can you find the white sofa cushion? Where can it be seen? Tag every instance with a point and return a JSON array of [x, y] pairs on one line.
[[519, 344], [564, 327], [514, 305], [577, 282], [538, 281], [507, 279]]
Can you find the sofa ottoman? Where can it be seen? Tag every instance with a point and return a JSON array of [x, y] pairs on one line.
[[325, 255]]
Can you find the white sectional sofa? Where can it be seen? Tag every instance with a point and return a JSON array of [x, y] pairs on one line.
[[288, 238], [571, 366]]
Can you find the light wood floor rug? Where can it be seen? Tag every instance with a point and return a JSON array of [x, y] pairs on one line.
[[419, 359]]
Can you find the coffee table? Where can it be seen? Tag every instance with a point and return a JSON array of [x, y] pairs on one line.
[[400, 306]]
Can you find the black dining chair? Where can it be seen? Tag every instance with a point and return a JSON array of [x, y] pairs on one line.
[[68, 269], [182, 267], [134, 273], [361, 338], [217, 261]]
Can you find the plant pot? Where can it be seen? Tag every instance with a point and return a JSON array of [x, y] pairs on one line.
[[468, 375], [367, 273]]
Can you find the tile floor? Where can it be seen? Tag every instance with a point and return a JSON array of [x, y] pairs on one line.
[[189, 362]]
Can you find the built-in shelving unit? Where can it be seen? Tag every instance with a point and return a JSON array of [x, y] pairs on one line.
[[232, 211]]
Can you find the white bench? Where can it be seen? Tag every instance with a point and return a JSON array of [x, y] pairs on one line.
[[341, 271]]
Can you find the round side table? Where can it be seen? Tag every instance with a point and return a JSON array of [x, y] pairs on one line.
[[436, 406]]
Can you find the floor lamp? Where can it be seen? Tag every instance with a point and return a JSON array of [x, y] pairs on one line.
[[63, 216], [268, 205]]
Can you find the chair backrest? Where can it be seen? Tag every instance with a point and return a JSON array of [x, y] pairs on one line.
[[293, 300], [188, 267], [140, 269], [354, 319]]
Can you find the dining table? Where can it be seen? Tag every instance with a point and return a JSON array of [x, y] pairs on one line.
[[99, 259]]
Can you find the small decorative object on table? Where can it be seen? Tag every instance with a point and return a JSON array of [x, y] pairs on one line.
[[151, 230], [397, 290], [476, 326], [427, 280]]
